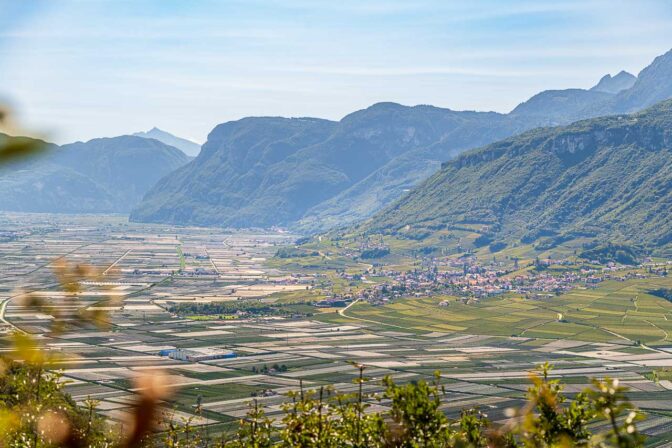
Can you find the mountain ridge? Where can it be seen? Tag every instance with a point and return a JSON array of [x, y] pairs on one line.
[[104, 175], [605, 177], [363, 162]]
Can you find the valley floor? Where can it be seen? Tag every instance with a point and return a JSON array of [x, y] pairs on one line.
[[484, 351]]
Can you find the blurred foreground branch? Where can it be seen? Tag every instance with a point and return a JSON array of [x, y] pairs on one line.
[[14, 149]]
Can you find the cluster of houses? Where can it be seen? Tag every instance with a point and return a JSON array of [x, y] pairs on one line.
[[468, 279]]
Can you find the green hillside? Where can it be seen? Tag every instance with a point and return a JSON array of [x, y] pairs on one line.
[[260, 172], [609, 178], [312, 175], [99, 176]]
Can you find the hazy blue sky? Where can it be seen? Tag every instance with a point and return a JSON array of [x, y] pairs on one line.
[[88, 68]]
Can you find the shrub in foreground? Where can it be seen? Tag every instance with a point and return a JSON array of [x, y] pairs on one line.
[[35, 412], [415, 419]]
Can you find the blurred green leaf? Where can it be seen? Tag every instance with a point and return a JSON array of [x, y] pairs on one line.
[[14, 149]]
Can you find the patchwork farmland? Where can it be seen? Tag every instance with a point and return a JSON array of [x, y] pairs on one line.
[[485, 351]]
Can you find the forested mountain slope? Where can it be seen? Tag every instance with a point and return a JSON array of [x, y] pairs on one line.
[[101, 175], [607, 178], [312, 175]]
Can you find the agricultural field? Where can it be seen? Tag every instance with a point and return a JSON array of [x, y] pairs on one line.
[[485, 349], [616, 310]]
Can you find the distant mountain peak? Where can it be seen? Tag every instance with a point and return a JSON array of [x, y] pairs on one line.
[[186, 146], [615, 84]]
